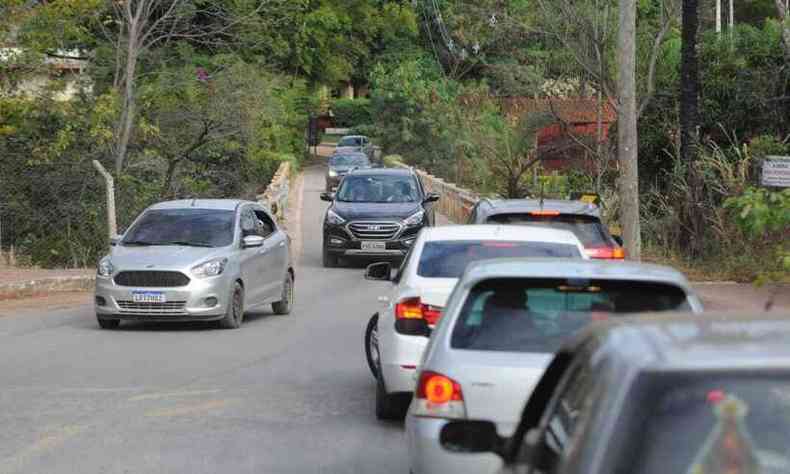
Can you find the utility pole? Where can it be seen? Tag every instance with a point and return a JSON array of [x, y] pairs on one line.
[[718, 16], [627, 139]]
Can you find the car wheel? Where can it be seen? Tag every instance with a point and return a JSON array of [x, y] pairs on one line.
[[105, 323], [235, 312], [390, 407], [330, 261], [372, 344], [284, 305]]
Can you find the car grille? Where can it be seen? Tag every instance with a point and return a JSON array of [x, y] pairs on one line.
[[171, 307], [374, 230], [158, 279]]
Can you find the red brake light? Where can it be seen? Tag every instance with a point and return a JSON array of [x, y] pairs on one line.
[[438, 389], [608, 253], [413, 308], [544, 213]]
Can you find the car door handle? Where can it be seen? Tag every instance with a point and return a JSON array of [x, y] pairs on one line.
[[282, 244]]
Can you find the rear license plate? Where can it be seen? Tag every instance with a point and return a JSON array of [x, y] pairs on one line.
[[148, 297], [373, 246]]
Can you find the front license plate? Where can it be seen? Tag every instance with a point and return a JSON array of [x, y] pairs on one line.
[[148, 297], [373, 246]]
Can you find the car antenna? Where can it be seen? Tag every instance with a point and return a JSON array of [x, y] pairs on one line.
[[542, 186], [194, 200]]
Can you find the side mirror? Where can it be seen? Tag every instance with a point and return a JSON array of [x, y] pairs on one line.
[[618, 239], [431, 197], [252, 241], [328, 197], [381, 271], [471, 436], [115, 240]]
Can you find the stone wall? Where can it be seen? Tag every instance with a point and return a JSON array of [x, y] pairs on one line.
[[275, 198]]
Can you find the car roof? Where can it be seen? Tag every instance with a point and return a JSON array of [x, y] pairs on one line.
[[711, 341], [382, 171], [343, 152], [573, 268], [353, 136], [500, 232], [226, 204], [564, 206]]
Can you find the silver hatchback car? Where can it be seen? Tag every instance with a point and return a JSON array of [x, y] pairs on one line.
[[196, 260], [501, 327]]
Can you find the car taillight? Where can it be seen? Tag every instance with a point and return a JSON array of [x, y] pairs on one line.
[[414, 308], [438, 396], [544, 213], [607, 253]]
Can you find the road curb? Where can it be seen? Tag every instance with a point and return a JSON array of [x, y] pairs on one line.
[[45, 286]]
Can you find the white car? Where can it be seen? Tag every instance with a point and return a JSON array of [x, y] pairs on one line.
[[396, 336], [502, 325]]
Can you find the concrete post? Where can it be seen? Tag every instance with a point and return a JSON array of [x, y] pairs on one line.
[[112, 226]]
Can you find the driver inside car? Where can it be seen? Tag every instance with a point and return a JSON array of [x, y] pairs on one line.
[[506, 316]]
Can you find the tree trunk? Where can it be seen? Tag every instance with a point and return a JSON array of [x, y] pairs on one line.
[[129, 109], [784, 17], [627, 139], [168, 182], [689, 120]]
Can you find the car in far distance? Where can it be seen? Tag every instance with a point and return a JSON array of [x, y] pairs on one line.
[[500, 329], [652, 395], [397, 335], [196, 260], [353, 143], [341, 163], [581, 218]]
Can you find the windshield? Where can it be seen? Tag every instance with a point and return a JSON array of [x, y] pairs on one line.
[[715, 424], [350, 141], [194, 227], [382, 188], [588, 229], [348, 160], [449, 259], [537, 315]]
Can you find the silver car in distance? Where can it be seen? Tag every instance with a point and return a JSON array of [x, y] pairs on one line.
[[502, 325], [196, 260]]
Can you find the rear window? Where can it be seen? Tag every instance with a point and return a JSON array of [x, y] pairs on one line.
[[538, 315], [449, 259], [713, 423], [588, 229]]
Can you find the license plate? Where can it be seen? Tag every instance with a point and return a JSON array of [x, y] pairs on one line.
[[148, 297], [373, 246]]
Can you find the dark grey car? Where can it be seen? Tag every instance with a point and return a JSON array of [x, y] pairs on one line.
[[709, 394]]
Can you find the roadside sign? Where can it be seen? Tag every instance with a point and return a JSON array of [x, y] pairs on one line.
[[776, 171]]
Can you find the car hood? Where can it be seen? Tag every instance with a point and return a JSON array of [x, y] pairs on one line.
[[161, 257], [347, 149], [367, 210]]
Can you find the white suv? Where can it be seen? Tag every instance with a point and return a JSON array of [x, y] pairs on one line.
[[397, 335]]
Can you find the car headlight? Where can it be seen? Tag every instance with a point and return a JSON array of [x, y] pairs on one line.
[[211, 268], [105, 267], [333, 218], [332, 173], [414, 219]]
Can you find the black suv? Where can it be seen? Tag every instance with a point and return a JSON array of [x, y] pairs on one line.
[[579, 217], [375, 213]]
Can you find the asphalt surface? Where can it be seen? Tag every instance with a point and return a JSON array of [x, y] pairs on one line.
[[288, 394]]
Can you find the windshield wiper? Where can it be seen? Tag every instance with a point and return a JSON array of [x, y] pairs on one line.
[[185, 243], [138, 242]]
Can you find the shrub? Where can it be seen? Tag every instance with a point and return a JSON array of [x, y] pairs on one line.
[[352, 112]]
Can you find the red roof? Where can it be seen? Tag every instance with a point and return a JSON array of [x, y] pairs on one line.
[[571, 110]]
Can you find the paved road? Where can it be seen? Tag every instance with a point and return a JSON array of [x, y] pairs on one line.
[[285, 394]]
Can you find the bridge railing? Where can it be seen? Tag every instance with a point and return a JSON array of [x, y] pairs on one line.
[[275, 198], [455, 203]]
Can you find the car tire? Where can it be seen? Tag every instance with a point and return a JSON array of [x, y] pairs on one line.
[[371, 344], [234, 315], [283, 306], [330, 261], [105, 323], [390, 406]]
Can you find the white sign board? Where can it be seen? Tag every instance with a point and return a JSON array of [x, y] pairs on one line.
[[776, 171]]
